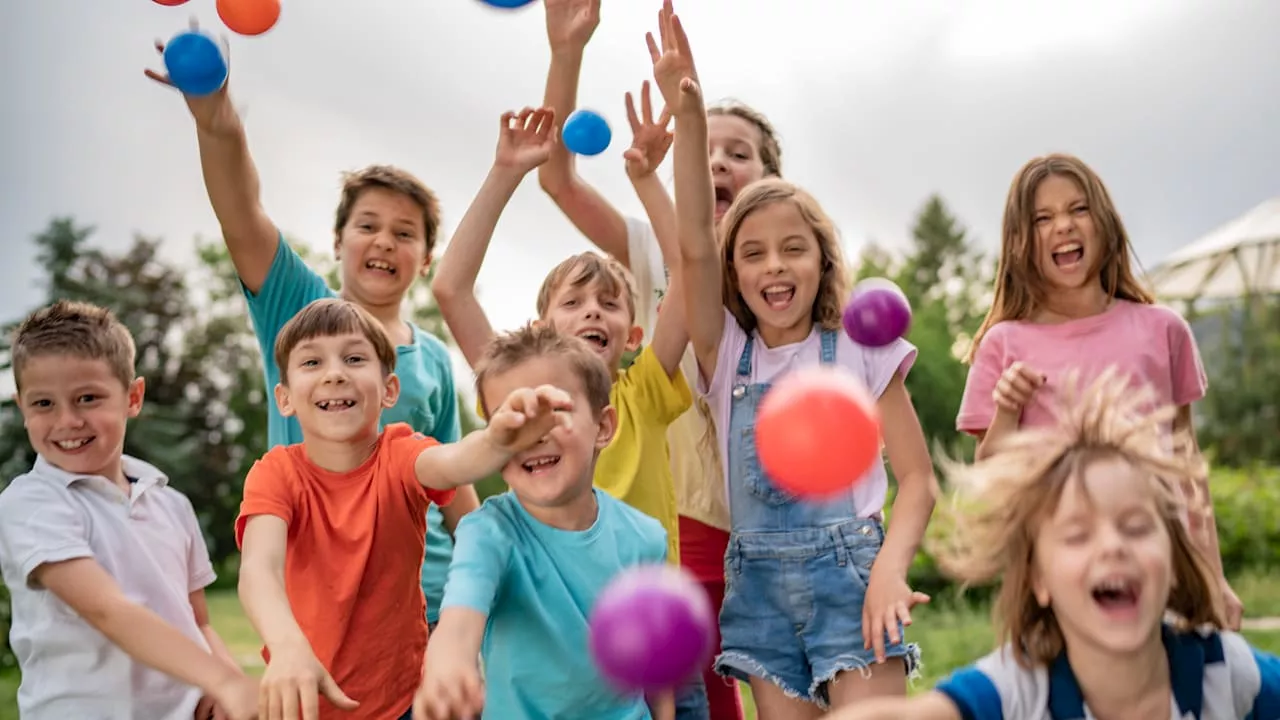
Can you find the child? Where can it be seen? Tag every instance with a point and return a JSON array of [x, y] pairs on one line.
[[384, 232], [530, 562], [332, 528], [743, 148], [105, 562], [811, 595], [587, 297], [1107, 608], [1066, 298]]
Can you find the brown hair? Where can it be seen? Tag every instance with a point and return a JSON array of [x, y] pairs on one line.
[[834, 285], [999, 503], [770, 148], [1019, 287], [389, 178], [534, 341], [329, 317], [78, 329], [584, 269]]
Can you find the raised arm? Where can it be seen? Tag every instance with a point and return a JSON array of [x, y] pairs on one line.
[[570, 24], [699, 265], [231, 181], [524, 142]]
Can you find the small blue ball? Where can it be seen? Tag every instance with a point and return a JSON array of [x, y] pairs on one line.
[[507, 3], [586, 133], [195, 63]]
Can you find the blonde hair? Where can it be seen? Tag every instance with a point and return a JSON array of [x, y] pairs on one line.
[[77, 329], [1019, 286], [833, 286], [534, 341], [999, 503], [583, 269], [329, 317]]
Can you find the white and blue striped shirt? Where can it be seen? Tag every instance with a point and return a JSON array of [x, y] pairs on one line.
[[1215, 676]]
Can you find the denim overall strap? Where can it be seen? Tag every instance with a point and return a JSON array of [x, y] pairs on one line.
[[828, 347]]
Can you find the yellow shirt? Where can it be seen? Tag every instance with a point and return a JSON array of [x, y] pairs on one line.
[[636, 467]]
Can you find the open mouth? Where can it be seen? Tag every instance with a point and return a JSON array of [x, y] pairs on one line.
[[596, 337], [724, 198], [1069, 255], [380, 266], [335, 405], [1117, 595], [71, 446], [779, 296], [540, 465]]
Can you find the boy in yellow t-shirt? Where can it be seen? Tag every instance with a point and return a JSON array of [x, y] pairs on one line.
[[590, 297]]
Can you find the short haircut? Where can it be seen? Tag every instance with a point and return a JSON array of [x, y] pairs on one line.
[[396, 180], [78, 329], [537, 341], [329, 317], [584, 268]]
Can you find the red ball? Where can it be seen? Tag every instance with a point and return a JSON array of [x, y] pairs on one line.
[[170, 3], [249, 17], [817, 431]]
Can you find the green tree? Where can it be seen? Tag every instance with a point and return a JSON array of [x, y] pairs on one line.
[[1239, 416]]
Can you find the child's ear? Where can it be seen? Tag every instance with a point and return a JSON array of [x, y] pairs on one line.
[[1039, 590], [634, 337], [425, 269], [137, 389], [283, 402], [391, 391], [607, 427], [337, 246]]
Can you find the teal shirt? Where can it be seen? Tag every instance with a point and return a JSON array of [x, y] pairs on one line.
[[537, 585], [428, 400]]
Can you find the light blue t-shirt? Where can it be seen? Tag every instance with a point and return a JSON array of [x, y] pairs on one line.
[[537, 584], [1213, 674], [428, 401]]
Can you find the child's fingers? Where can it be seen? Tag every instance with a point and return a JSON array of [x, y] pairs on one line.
[[654, 54], [522, 120], [632, 118], [665, 118], [681, 40], [553, 398], [546, 123], [159, 46], [163, 79], [646, 106], [690, 87], [522, 401]]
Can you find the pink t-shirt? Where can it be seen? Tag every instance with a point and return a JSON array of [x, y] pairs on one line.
[[1150, 343], [875, 366]]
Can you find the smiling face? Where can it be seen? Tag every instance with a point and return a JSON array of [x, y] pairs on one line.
[[777, 259], [337, 387], [587, 297], [1104, 559], [558, 471], [382, 247], [1068, 253], [75, 411], [736, 161]]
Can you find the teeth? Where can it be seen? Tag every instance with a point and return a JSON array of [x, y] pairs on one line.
[[1113, 584], [1069, 247], [379, 265], [541, 462], [773, 289], [72, 444], [326, 404]]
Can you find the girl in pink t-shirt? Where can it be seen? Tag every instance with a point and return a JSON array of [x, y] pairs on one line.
[[1067, 303]]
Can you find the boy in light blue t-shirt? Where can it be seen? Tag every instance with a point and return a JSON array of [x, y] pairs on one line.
[[529, 564]]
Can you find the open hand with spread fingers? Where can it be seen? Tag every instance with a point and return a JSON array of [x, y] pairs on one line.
[[212, 112], [673, 68], [525, 140], [650, 139]]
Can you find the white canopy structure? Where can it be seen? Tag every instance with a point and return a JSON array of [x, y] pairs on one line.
[[1238, 258]]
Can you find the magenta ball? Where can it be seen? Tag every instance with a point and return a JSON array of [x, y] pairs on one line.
[[652, 628], [877, 313]]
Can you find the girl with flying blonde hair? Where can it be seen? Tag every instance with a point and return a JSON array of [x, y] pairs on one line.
[[1067, 300], [1106, 607]]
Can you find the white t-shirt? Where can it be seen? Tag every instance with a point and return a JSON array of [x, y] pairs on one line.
[[875, 366], [149, 542]]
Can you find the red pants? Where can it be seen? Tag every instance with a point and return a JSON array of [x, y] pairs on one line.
[[702, 550]]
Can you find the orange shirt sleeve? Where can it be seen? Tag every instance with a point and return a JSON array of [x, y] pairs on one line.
[[404, 446], [267, 490]]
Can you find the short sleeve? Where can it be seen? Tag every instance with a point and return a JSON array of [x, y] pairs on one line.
[[977, 408], [655, 394], [404, 445], [645, 259], [882, 363], [973, 693], [1189, 380], [267, 490], [199, 570], [1266, 704], [481, 552], [732, 341], [290, 285], [39, 524]]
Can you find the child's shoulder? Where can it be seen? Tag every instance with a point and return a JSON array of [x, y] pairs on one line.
[[30, 490], [1152, 315], [623, 518], [430, 346]]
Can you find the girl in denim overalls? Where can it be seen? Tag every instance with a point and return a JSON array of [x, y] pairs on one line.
[[814, 606]]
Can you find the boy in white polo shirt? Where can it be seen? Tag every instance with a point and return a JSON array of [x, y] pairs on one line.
[[105, 562]]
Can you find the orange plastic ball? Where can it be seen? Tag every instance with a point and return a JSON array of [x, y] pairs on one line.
[[249, 17], [817, 432]]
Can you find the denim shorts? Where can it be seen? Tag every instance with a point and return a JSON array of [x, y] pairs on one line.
[[792, 610]]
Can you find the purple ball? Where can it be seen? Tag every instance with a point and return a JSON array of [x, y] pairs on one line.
[[877, 313], [651, 629]]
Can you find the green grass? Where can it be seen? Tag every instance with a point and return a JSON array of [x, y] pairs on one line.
[[949, 636]]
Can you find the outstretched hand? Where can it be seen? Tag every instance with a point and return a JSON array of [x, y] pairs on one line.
[[673, 68], [527, 416], [525, 140], [571, 23], [650, 140], [212, 112]]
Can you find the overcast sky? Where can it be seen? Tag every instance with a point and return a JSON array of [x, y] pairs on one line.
[[879, 104]]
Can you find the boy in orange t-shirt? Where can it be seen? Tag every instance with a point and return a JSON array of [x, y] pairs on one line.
[[332, 529]]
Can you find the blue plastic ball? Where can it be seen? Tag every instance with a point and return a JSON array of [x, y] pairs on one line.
[[586, 133], [195, 63], [506, 4]]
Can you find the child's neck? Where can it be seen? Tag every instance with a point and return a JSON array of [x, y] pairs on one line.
[[777, 337], [575, 516], [1075, 303], [389, 316], [340, 456], [1129, 686]]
